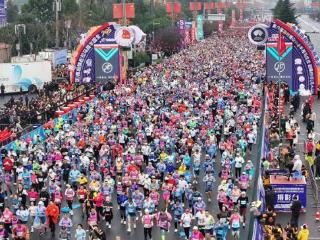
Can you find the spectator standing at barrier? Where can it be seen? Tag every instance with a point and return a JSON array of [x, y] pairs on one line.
[[317, 164], [297, 164], [269, 197], [303, 233], [26, 99], [296, 207], [2, 89], [306, 109]]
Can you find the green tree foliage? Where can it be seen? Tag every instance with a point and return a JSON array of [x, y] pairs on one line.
[[7, 34], [150, 17], [69, 8], [12, 12], [39, 10], [140, 58], [285, 11], [38, 35]]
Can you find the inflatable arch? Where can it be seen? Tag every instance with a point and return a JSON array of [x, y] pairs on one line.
[[305, 60]]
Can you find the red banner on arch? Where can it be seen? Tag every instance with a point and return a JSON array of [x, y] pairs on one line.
[[195, 6], [118, 10]]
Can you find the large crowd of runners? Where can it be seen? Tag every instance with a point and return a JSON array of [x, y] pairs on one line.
[[160, 154]]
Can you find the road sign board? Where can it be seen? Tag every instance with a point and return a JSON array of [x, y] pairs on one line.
[[216, 17]]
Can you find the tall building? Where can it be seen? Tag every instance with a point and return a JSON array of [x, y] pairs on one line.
[[3, 13]]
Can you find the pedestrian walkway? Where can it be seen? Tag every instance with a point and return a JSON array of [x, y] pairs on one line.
[[312, 207]]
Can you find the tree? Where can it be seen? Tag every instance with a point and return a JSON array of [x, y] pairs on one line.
[[12, 12], [150, 21], [285, 11], [8, 36], [140, 58], [38, 11], [94, 13], [69, 8], [37, 35]]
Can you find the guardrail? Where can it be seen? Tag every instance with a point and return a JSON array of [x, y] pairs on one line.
[[313, 185], [253, 231]]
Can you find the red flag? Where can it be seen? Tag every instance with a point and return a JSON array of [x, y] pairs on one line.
[[195, 6], [169, 7], [192, 6], [177, 7], [117, 10], [281, 45], [130, 13], [198, 6], [206, 5]]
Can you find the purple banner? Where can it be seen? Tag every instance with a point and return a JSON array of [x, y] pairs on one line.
[[182, 27], [284, 194]]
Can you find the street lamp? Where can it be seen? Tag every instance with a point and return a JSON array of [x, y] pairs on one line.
[[67, 25], [153, 24], [19, 29], [57, 9]]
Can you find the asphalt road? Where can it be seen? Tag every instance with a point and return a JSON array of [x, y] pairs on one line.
[[309, 26], [119, 230]]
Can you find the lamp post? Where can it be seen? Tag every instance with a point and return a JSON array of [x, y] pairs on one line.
[[57, 8], [153, 24], [19, 29], [67, 25]]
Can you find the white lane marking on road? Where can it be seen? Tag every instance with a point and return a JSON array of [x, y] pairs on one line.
[[310, 25]]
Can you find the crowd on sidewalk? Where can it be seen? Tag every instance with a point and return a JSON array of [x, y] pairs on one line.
[[153, 152], [37, 107]]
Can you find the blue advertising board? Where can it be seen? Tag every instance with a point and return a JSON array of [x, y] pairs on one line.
[[279, 68], [277, 171], [60, 57], [107, 63], [284, 194]]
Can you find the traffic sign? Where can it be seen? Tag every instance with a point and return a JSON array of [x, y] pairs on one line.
[[216, 17], [258, 34]]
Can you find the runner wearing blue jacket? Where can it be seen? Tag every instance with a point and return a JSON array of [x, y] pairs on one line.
[[177, 210], [131, 212], [121, 200]]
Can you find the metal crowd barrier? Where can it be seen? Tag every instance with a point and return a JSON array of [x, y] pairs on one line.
[[257, 164], [314, 185], [313, 182]]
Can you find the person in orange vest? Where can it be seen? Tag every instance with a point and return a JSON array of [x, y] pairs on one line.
[[52, 212]]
